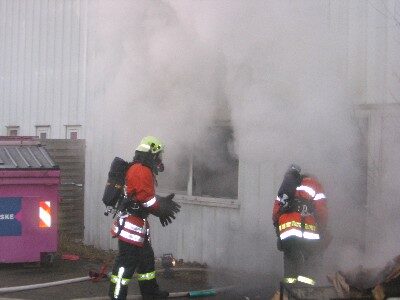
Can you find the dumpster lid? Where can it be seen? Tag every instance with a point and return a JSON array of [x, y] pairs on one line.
[[24, 153]]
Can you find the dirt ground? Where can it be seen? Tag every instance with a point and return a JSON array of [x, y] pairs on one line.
[[27, 274], [244, 287]]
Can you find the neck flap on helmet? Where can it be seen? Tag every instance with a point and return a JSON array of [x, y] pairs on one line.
[[150, 160]]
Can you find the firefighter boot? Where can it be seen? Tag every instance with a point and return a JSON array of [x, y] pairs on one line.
[[118, 293], [150, 290]]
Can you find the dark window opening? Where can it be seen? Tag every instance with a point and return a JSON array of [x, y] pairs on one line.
[[215, 169], [207, 169], [13, 132], [73, 135]]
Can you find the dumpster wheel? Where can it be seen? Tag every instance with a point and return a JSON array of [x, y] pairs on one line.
[[47, 259]]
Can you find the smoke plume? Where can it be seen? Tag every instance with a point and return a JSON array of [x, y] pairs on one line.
[[273, 68]]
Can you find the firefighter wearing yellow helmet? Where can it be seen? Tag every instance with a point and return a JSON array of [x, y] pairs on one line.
[[132, 228]]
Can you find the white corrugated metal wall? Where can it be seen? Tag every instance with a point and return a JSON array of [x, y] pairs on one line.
[[236, 237], [42, 65]]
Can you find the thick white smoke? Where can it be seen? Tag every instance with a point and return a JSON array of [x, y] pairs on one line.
[[273, 66], [287, 97], [159, 73]]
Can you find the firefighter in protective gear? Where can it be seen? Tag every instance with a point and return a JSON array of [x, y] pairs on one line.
[[132, 228], [300, 218]]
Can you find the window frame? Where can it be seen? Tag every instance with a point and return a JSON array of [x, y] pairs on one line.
[[69, 129], [11, 129], [43, 129], [187, 197]]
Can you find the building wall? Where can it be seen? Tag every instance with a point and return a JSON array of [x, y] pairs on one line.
[[240, 236], [69, 155], [49, 77], [42, 65], [375, 67], [366, 39], [367, 36], [382, 203]]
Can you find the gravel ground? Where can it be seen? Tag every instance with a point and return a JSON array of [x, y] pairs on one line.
[[250, 286]]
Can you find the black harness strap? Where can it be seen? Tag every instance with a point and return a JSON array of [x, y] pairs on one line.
[[120, 227]]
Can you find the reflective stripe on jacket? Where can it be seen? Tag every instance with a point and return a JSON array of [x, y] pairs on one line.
[[293, 224], [134, 231], [303, 224]]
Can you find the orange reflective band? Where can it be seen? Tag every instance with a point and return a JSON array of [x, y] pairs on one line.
[[44, 214], [310, 227], [289, 224]]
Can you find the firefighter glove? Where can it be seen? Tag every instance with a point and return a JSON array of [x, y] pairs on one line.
[[168, 207], [166, 220]]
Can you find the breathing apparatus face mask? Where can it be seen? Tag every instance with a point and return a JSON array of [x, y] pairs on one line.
[[158, 162]]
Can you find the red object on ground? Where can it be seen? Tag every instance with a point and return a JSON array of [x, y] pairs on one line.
[[70, 257]]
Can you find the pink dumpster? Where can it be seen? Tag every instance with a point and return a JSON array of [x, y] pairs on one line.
[[29, 201]]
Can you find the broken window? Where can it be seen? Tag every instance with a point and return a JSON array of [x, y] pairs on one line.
[[210, 169], [215, 168]]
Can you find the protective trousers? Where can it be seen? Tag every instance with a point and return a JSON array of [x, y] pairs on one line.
[[301, 261], [129, 259]]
